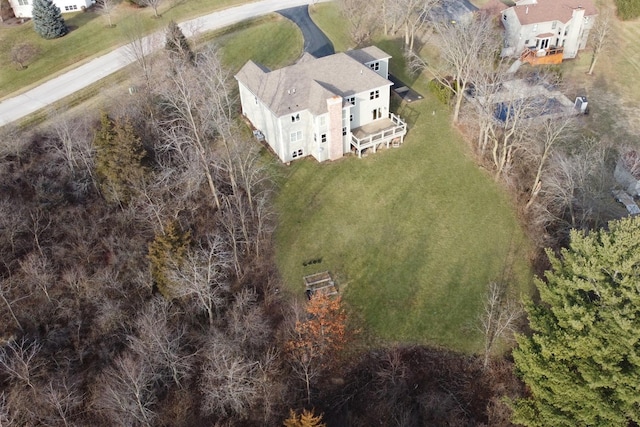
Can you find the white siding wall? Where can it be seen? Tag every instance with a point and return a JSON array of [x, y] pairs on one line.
[[262, 119], [363, 111], [66, 6], [290, 149]]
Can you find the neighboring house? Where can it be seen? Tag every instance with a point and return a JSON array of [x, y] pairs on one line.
[[322, 107], [547, 31], [22, 8]]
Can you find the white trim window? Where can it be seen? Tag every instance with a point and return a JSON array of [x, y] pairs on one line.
[[323, 138], [296, 136], [375, 66], [374, 94], [297, 153], [23, 2], [352, 100], [295, 118], [72, 7]]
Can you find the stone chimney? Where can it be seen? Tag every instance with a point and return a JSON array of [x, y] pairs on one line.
[[334, 138]]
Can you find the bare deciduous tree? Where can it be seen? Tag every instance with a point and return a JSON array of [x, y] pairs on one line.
[[64, 400], [7, 418], [201, 277], [19, 360], [75, 137], [600, 35], [153, 4], [140, 46], [553, 131], [106, 8], [197, 109], [158, 341], [415, 14], [230, 383], [362, 17], [464, 47], [499, 318], [125, 392], [22, 53]]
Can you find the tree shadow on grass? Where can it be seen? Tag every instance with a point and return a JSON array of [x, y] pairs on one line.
[[80, 19]]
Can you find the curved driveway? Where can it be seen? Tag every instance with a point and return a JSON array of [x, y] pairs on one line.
[[315, 41], [15, 108]]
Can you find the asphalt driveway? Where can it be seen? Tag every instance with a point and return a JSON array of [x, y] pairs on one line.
[[315, 41]]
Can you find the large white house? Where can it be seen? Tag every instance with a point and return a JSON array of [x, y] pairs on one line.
[[23, 8], [547, 27], [322, 107]]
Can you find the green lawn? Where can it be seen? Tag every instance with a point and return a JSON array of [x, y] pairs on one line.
[[263, 44], [413, 235], [89, 37]]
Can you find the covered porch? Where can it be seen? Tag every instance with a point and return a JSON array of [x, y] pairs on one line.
[[384, 132]]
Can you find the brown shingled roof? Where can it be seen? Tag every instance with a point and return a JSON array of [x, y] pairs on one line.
[[552, 10], [309, 83]]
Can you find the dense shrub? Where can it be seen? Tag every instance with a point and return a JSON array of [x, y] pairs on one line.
[[628, 9], [441, 91]]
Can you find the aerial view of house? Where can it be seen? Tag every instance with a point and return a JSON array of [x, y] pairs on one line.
[[556, 29], [322, 107]]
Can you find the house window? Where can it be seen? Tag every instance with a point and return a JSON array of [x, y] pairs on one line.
[[526, 42], [255, 99], [374, 94], [350, 117], [352, 100], [504, 17], [23, 2], [323, 137], [295, 118], [344, 131], [375, 66], [72, 7], [323, 120], [554, 24], [296, 136], [297, 153]]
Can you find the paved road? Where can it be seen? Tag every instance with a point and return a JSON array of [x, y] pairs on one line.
[[15, 108], [315, 41]]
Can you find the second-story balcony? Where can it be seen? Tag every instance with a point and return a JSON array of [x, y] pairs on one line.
[[381, 133]]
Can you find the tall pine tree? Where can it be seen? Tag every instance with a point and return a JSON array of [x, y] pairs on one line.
[[119, 154], [582, 362], [47, 20]]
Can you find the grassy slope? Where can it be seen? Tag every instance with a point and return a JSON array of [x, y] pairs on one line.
[[413, 234], [89, 36]]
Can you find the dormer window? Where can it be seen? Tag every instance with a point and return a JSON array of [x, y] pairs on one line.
[[375, 66], [295, 118]]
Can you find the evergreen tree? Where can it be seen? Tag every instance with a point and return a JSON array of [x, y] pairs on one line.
[[178, 45], [47, 20], [582, 363], [119, 154], [168, 246]]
